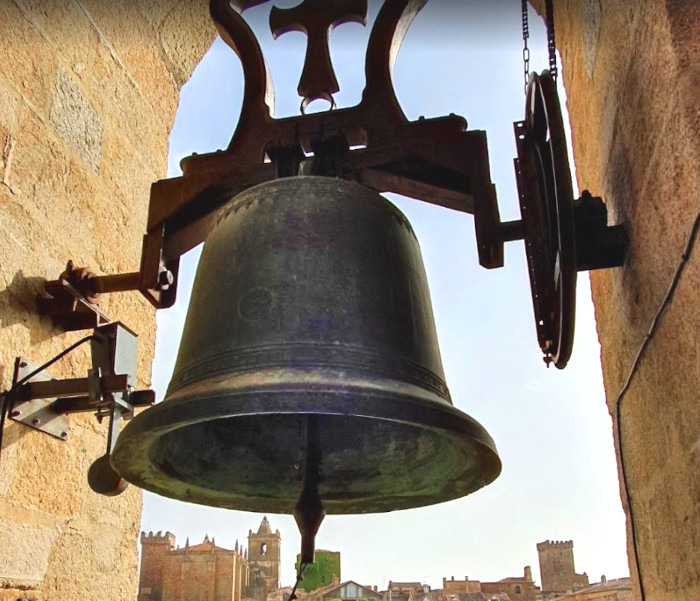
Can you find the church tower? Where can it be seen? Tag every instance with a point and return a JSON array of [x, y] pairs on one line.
[[264, 556]]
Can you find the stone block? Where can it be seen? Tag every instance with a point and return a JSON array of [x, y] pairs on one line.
[[32, 59], [8, 109], [132, 42], [66, 28], [76, 120], [185, 35], [25, 556], [590, 30], [147, 133]]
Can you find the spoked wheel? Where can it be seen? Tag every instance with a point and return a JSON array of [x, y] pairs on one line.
[[547, 208]]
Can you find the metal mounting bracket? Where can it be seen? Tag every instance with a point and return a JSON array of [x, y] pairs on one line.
[[45, 404], [31, 409]]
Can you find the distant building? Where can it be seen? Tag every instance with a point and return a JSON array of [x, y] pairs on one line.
[[619, 589], [557, 571], [415, 591], [452, 588], [345, 591], [203, 572], [518, 588], [405, 591], [264, 557], [207, 572], [514, 588]]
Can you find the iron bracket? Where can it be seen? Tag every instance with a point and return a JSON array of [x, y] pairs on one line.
[[44, 403]]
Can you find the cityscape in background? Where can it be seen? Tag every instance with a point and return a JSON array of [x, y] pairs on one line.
[[208, 572]]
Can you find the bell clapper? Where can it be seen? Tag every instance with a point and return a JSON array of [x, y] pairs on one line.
[[309, 511]]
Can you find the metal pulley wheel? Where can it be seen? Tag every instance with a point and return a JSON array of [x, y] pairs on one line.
[[547, 208]]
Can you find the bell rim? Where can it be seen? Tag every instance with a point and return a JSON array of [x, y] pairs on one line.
[[424, 411]]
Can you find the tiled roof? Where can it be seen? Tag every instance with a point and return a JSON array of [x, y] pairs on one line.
[[615, 584], [202, 547], [335, 586], [205, 546]]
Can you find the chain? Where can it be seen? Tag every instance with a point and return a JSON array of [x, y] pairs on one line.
[[551, 41], [526, 50]]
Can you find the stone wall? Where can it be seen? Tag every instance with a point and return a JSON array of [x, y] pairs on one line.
[[88, 93], [518, 591], [460, 587], [557, 571], [632, 75]]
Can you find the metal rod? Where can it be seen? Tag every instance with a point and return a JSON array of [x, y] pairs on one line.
[[70, 387], [309, 511], [512, 230], [83, 404], [121, 282]]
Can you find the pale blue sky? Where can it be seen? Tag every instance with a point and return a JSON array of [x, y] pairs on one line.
[[552, 429]]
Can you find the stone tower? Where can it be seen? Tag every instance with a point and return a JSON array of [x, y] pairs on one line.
[[557, 567], [154, 548], [264, 556]]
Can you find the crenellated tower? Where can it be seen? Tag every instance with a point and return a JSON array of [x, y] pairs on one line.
[[154, 548], [557, 569]]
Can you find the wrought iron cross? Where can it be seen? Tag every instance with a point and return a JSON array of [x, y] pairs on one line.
[[316, 18]]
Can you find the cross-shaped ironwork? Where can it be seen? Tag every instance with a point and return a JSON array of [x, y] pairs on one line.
[[316, 18]]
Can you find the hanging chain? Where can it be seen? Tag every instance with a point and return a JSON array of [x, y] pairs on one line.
[[526, 50], [551, 41]]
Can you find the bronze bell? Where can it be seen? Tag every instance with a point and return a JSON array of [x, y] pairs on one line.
[[310, 311]]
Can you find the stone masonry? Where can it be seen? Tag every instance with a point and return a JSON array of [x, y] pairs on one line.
[[88, 94], [154, 549]]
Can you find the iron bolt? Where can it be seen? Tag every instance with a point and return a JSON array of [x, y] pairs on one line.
[[23, 364], [36, 421], [64, 434], [16, 413]]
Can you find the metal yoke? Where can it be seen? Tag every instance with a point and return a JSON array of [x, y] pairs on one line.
[[435, 160]]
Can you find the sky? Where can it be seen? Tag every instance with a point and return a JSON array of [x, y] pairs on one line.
[[551, 427]]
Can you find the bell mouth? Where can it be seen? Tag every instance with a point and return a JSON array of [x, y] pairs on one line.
[[385, 445]]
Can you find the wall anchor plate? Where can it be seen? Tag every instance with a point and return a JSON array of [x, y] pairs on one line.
[[37, 413]]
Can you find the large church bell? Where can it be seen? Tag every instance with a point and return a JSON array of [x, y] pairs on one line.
[[309, 379], [310, 330]]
